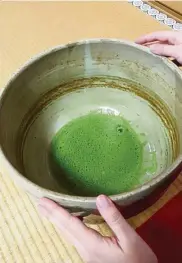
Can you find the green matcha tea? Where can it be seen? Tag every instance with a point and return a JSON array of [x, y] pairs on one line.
[[97, 153]]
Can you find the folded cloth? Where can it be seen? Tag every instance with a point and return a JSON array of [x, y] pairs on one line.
[[163, 231]]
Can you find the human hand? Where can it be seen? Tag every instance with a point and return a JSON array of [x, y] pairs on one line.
[[168, 43], [125, 247]]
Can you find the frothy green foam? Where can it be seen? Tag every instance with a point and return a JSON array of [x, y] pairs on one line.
[[97, 153]]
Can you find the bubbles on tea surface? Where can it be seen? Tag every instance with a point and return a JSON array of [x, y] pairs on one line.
[[100, 153], [119, 129]]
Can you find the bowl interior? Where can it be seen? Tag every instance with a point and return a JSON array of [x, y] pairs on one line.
[[72, 82], [107, 95]]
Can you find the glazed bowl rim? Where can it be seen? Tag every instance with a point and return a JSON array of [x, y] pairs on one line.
[[31, 186]]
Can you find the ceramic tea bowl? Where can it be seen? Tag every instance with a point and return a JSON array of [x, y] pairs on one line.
[[59, 85]]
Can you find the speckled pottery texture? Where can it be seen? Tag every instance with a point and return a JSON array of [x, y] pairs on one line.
[[68, 81]]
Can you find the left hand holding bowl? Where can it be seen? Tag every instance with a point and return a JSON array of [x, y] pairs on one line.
[[124, 247]]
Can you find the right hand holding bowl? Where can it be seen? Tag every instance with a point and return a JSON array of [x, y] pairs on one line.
[[164, 43]]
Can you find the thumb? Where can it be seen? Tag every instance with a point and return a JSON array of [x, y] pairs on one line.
[[122, 230], [165, 50]]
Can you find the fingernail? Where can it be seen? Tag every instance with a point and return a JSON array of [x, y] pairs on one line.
[[103, 201]]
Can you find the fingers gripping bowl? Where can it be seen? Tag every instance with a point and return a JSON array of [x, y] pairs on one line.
[[116, 86]]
